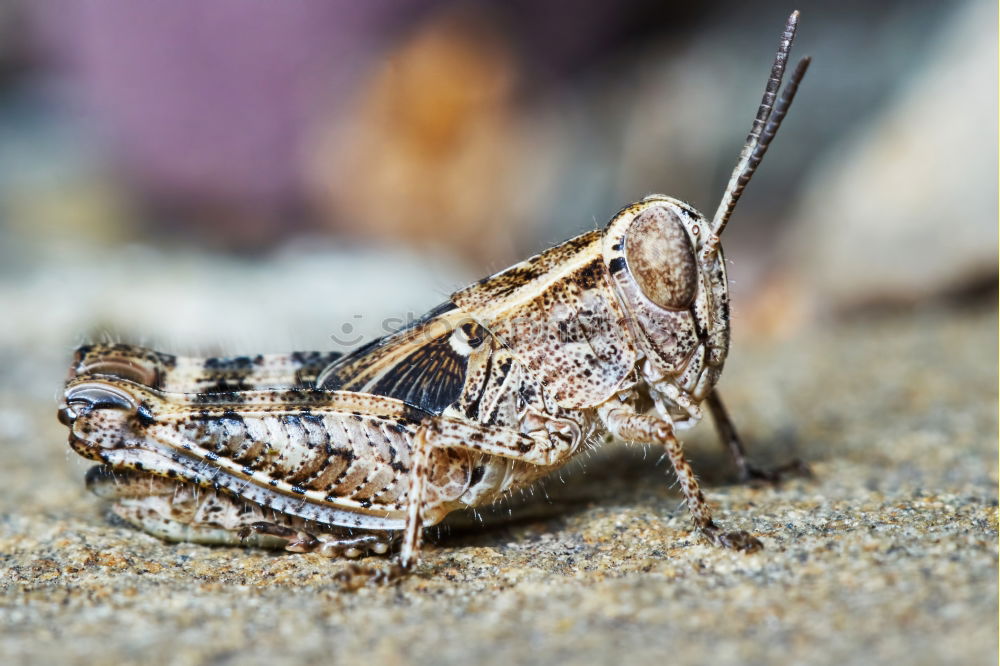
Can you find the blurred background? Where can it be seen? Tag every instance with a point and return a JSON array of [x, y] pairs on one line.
[[233, 176], [239, 177]]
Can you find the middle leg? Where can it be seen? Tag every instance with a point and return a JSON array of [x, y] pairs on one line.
[[542, 448]]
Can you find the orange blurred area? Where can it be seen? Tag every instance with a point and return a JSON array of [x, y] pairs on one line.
[[429, 151]]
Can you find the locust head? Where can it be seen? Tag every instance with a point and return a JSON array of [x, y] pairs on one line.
[[675, 296], [666, 261]]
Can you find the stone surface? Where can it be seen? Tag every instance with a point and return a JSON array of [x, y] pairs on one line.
[[888, 555]]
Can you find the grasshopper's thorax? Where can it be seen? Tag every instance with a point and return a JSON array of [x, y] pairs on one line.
[[677, 303]]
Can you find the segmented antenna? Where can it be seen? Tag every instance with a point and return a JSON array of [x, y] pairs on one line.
[[765, 126]]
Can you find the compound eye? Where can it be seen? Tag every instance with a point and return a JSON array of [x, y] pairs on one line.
[[661, 258]]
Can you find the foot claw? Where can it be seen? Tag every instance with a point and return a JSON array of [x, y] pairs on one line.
[[738, 540], [751, 473], [303, 542], [355, 576]]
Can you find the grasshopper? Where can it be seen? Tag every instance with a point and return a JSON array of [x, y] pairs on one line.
[[621, 331]]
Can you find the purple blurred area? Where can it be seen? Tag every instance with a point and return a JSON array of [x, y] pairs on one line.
[[208, 102], [210, 97]]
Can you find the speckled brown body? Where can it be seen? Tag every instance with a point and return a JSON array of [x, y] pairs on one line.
[[621, 331], [506, 382]]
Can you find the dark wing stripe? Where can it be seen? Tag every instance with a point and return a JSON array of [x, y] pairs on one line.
[[430, 378], [348, 372]]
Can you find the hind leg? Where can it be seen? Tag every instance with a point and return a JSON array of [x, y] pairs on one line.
[[177, 511]]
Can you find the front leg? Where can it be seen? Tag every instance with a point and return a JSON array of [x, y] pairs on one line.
[[737, 451], [625, 423]]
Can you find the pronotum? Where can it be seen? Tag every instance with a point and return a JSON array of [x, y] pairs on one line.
[[620, 331]]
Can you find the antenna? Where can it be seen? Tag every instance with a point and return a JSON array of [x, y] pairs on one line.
[[765, 126]]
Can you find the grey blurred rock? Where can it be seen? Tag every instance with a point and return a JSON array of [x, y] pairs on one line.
[[311, 295], [906, 208]]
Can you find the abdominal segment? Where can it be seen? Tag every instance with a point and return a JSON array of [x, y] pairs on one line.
[[325, 456], [335, 457]]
